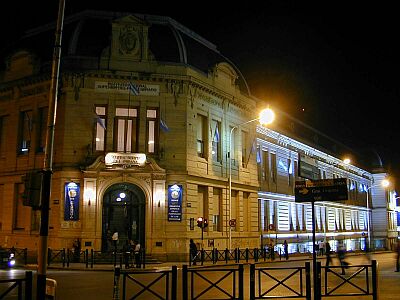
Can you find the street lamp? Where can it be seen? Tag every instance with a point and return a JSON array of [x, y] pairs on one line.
[[266, 117], [384, 183]]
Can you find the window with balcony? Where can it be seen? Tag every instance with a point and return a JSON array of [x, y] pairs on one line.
[[25, 132], [201, 136], [42, 129], [126, 130], [216, 140], [100, 127], [152, 130]]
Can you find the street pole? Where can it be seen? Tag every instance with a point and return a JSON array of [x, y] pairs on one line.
[[314, 256], [48, 161], [266, 117]]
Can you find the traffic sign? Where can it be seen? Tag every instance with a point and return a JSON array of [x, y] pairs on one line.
[[321, 190], [232, 222]]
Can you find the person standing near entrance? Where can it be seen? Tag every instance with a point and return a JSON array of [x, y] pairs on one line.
[[115, 240], [193, 252], [137, 254], [328, 253], [286, 249]]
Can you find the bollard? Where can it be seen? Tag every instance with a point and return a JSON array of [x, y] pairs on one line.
[[91, 258], [117, 274], [28, 285], [51, 287]]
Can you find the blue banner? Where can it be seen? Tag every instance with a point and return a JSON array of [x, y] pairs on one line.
[[175, 203], [71, 206]]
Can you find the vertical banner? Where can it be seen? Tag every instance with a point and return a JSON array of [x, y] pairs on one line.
[[175, 203], [71, 206]]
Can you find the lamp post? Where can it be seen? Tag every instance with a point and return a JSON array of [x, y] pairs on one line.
[[385, 183], [266, 117]]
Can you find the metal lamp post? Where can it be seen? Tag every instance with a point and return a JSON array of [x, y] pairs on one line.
[[266, 117]]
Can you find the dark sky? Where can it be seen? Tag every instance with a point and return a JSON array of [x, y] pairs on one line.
[[333, 66]]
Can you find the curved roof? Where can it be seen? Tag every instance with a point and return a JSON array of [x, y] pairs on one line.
[[88, 34]]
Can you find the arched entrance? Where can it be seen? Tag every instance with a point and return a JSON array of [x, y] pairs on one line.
[[123, 211]]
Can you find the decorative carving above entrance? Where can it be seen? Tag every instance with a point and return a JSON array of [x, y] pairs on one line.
[[129, 39]]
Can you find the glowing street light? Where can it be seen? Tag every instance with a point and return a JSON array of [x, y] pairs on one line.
[[266, 117]]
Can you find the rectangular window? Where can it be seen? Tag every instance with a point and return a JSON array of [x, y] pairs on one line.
[[152, 130], [216, 140], [290, 172], [3, 135], [42, 129], [202, 197], [245, 150], [101, 124], [25, 132], [126, 128], [21, 211], [217, 209], [232, 146], [201, 136], [273, 167]]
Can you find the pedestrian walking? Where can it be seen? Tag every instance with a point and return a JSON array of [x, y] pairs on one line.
[[137, 254], [328, 254], [398, 256], [286, 249], [193, 252], [342, 256]]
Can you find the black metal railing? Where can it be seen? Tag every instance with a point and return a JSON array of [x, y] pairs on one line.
[[12, 284], [280, 282]]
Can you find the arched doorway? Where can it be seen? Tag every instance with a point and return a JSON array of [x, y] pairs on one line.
[[123, 211]]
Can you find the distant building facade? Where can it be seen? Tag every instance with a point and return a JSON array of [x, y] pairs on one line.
[[142, 142]]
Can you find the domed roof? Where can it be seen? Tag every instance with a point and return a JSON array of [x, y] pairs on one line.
[[89, 36]]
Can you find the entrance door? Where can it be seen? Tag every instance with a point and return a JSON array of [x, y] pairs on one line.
[[124, 212]]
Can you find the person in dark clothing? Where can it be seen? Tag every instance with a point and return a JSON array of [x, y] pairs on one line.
[[341, 256], [286, 249], [193, 251], [328, 254], [77, 250]]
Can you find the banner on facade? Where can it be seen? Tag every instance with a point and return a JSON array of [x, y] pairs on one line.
[[175, 203], [142, 89], [71, 206]]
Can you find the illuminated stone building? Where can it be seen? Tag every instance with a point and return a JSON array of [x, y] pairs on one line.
[[145, 108]]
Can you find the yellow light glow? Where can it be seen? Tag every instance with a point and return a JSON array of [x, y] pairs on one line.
[[346, 161], [385, 183], [267, 116]]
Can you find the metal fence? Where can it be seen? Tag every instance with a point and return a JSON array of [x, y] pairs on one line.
[[23, 287]]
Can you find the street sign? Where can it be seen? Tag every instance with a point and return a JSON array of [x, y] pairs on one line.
[[308, 167], [321, 190]]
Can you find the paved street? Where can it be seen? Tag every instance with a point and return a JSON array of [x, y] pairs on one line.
[[98, 283]]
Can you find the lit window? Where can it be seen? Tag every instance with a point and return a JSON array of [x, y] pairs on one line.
[[152, 132], [25, 131], [126, 135], [100, 128], [216, 140]]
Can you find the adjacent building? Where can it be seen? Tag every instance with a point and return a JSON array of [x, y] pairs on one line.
[[147, 113]]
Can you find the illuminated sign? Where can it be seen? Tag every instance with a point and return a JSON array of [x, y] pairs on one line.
[[71, 204], [308, 167], [125, 160], [175, 203], [321, 190]]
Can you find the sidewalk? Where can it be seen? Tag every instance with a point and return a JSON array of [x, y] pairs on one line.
[[164, 265]]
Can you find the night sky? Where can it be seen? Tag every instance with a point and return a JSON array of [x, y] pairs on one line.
[[333, 66]]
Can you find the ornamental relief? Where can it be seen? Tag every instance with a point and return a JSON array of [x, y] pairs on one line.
[[129, 41]]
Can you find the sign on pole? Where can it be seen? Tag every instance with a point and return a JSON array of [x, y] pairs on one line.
[[321, 190]]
